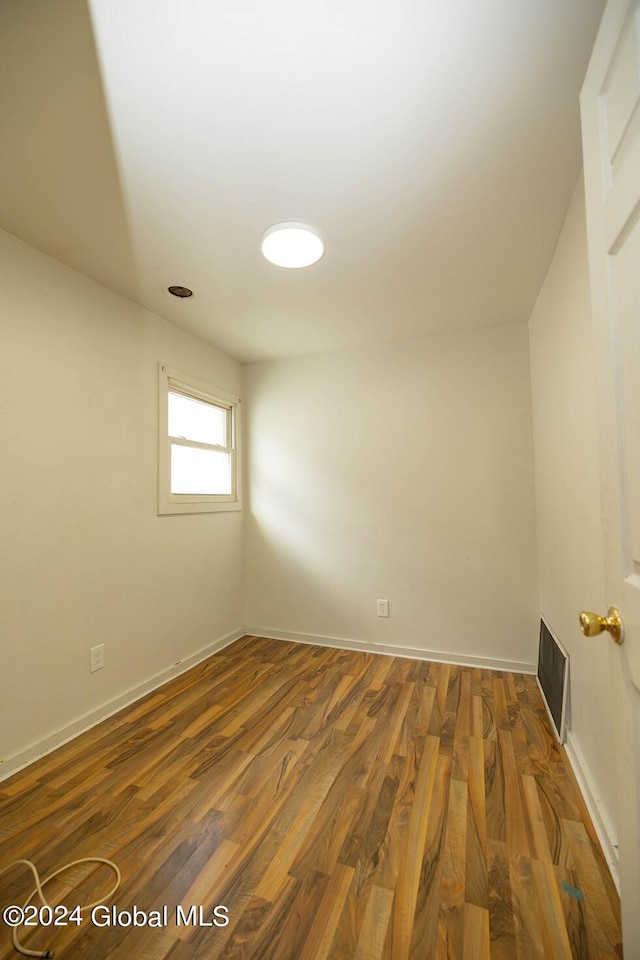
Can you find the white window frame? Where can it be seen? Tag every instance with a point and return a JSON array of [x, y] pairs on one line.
[[173, 503]]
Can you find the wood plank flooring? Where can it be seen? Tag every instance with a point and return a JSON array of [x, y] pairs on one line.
[[340, 805]]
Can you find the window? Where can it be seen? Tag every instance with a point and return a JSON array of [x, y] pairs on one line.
[[198, 446]]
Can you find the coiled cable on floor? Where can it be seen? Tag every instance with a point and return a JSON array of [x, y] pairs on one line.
[[42, 883]]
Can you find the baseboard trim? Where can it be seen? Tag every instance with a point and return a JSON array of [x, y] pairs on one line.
[[415, 653], [600, 822], [50, 743]]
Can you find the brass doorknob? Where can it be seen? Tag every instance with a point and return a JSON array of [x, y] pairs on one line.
[[592, 624]]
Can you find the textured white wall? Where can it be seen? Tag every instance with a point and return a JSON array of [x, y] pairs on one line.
[[402, 471], [570, 546], [84, 558]]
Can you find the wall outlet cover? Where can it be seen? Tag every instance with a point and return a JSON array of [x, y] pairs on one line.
[[97, 658]]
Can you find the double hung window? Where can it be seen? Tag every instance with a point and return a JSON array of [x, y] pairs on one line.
[[198, 446]]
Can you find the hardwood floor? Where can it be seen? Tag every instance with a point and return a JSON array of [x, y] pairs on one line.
[[340, 805]]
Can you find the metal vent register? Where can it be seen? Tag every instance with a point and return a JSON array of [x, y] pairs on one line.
[[553, 678]]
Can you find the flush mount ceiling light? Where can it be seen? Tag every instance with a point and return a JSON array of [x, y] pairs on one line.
[[292, 245]]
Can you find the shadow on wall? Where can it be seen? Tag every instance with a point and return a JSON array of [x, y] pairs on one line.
[[61, 190]]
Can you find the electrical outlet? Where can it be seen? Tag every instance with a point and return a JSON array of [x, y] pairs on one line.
[[97, 658], [382, 609]]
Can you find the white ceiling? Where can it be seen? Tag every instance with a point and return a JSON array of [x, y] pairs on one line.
[[434, 143]]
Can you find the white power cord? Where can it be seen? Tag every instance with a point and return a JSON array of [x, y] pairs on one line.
[[38, 889]]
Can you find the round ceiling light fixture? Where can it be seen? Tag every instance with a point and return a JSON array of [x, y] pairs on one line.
[[292, 245]]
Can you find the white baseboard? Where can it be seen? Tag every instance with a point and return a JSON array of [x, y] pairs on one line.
[[601, 823], [50, 743], [416, 653]]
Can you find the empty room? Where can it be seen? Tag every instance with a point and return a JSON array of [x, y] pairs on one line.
[[319, 479]]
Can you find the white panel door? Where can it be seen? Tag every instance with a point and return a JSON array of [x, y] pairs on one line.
[[610, 105]]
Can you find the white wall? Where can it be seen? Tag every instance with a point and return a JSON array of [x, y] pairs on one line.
[[402, 471], [570, 544], [84, 558]]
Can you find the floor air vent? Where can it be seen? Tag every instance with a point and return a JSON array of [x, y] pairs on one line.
[[553, 678]]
